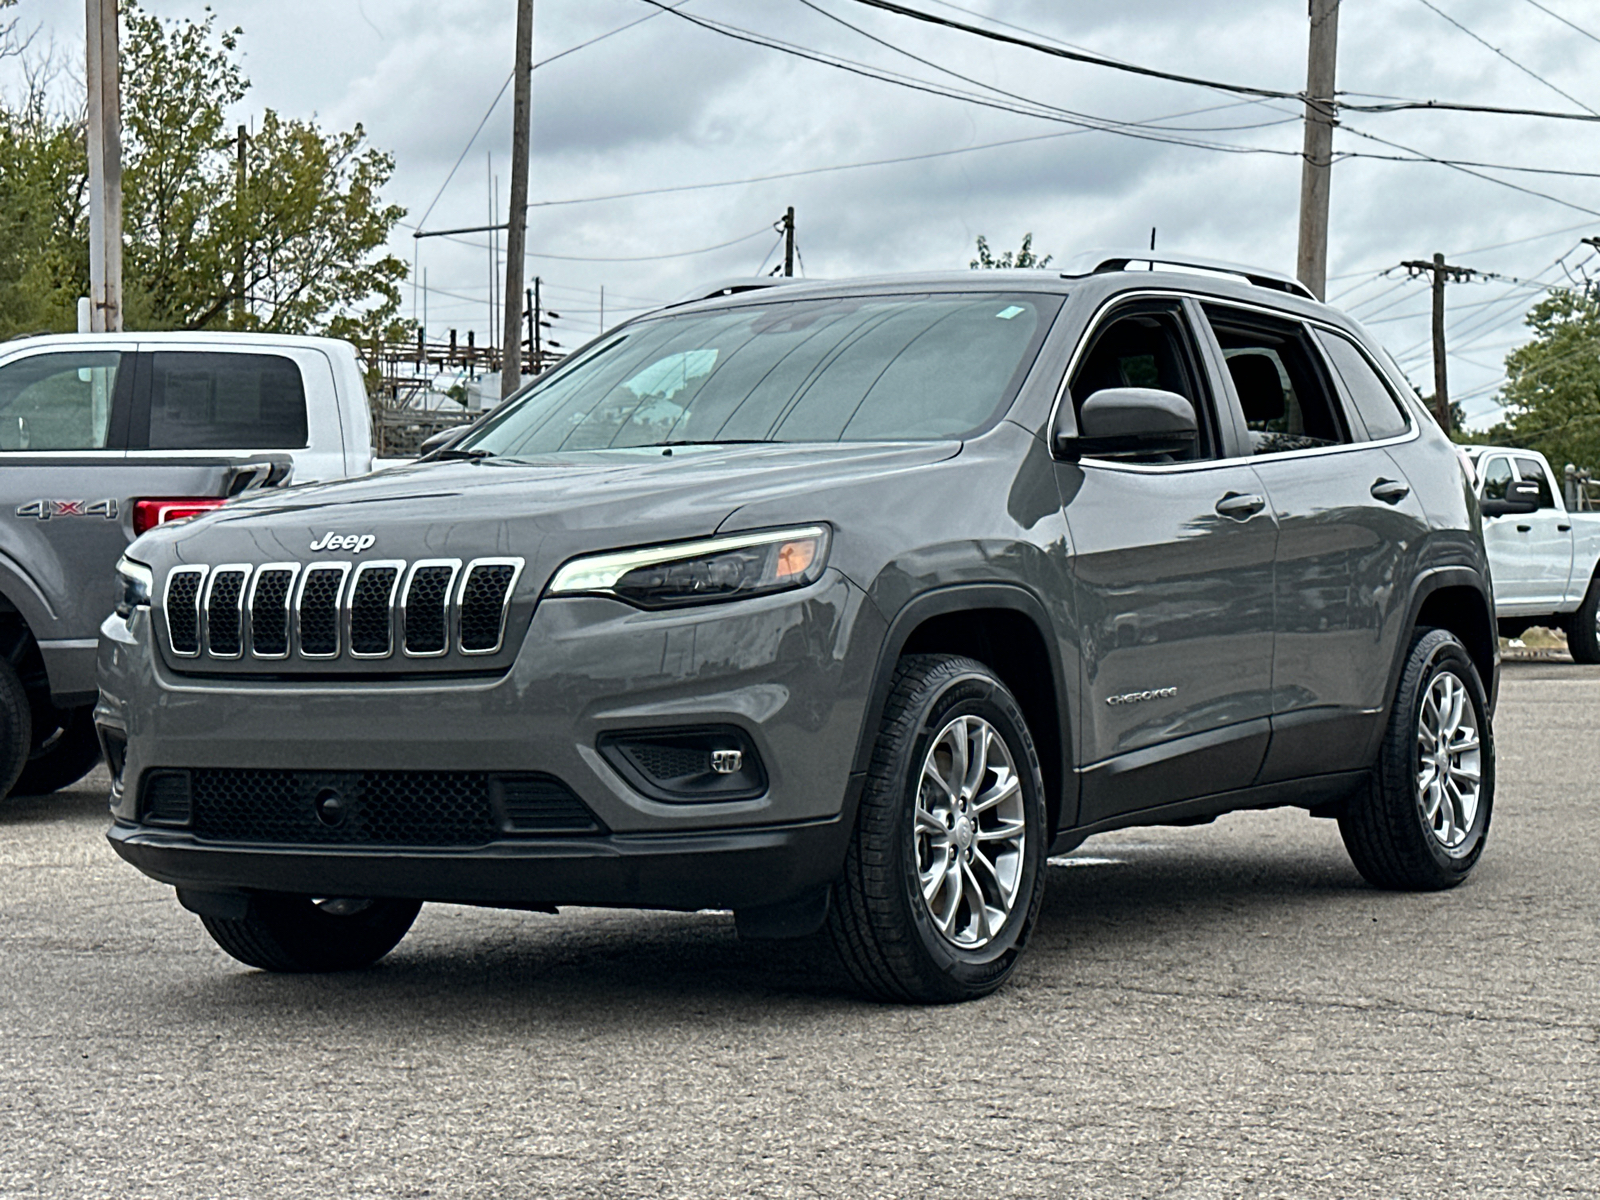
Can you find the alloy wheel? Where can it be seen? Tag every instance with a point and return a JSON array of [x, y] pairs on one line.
[[970, 832], [1449, 760]]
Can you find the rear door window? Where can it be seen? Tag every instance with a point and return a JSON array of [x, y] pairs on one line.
[[1286, 396], [58, 401], [1376, 405], [225, 401]]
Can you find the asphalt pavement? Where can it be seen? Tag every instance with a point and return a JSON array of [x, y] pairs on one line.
[[1219, 1011]]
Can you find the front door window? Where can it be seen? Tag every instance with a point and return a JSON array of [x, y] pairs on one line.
[[58, 401]]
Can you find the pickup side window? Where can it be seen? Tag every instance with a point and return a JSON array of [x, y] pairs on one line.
[[1374, 402], [1530, 469], [1285, 395], [1496, 476], [1148, 347], [58, 401], [221, 401]]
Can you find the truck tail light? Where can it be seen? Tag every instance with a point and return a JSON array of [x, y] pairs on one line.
[[147, 514]]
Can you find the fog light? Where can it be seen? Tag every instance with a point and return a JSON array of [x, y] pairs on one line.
[[677, 765]]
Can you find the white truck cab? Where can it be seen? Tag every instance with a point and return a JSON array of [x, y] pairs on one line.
[[1542, 555]]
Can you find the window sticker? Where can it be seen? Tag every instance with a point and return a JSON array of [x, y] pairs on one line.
[[1005, 314]]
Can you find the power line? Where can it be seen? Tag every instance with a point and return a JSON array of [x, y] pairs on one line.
[[1564, 21], [1428, 4], [1099, 60], [500, 95]]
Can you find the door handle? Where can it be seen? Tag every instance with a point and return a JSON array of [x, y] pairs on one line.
[[1524, 528], [1390, 491], [1563, 528], [1240, 507]]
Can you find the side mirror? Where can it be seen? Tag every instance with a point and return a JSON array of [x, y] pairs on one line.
[[1522, 498], [1131, 421], [444, 439]]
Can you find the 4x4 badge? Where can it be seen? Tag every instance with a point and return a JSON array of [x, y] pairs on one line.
[[354, 542]]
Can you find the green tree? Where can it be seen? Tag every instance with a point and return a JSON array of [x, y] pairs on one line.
[[305, 218], [1024, 257], [1552, 390]]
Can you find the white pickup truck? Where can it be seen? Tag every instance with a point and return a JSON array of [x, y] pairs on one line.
[[1542, 555]]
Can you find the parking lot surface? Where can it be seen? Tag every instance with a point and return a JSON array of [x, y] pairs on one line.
[[1220, 1011]]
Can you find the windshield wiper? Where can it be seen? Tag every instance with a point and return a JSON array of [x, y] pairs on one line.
[[721, 442], [468, 452]]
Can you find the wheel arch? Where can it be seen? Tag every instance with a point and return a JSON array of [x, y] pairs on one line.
[[1457, 599], [1006, 628]]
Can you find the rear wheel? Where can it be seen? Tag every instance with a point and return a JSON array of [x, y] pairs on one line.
[[304, 934], [64, 749], [943, 878], [16, 727], [1583, 634], [1421, 825]]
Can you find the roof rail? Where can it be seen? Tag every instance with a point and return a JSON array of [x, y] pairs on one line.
[[732, 287], [1097, 262]]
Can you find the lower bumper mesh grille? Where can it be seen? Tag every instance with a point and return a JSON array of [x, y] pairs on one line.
[[382, 808]]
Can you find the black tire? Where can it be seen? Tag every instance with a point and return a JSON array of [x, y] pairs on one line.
[[1583, 632], [65, 749], [298, 934], [16, 727], [885, 933], [1387, 829]]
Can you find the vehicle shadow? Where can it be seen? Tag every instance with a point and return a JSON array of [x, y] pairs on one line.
[[588, 969], [83, 803]]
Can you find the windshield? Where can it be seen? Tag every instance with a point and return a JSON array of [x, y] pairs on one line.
[[837, 370]]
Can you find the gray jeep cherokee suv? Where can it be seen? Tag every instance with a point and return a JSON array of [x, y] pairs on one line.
[[838, 605]]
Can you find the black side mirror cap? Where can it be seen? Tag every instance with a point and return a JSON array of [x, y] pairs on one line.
[[1131, 421], [1521, 499]]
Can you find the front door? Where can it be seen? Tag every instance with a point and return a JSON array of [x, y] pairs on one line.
[[1172, 571]]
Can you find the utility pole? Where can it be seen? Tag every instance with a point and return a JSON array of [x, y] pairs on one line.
[[104, 75], [517, 215], [240, 180], [534, 338], [788, 241], [1442, 272], [1316, 171]]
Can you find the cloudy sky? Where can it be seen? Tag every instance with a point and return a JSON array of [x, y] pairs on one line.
[[665, 104]]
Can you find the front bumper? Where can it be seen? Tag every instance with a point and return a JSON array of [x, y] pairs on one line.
[[791, 671], [737, 869]]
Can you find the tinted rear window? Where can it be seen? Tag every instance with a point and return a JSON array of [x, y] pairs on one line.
[[1379, 409], [854, 369], [219, 401]]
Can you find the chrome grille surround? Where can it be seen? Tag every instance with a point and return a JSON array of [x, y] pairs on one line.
[[187, 610], [417, 614], [462, 616], [356, 614], [327, 609], [321, 611], [222, 613], [263, 622]]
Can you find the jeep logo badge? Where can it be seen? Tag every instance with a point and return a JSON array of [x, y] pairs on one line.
[[353, 542]]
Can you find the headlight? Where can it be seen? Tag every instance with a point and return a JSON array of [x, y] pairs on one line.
[[134, 584], [721, 568]]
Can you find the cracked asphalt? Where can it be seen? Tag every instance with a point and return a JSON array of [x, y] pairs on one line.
[[1221, 1011]]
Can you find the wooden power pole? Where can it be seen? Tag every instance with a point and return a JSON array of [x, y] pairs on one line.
[[788, 241], [1442, 272], [240, 185], [1316, 172], [104, 76], [517, 217]]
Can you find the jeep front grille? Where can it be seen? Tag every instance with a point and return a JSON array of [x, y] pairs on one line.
[[330, 610]]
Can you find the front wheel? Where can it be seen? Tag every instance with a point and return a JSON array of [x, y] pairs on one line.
[[301, 934], [1583, 634], [1421, 824], [944, 875]]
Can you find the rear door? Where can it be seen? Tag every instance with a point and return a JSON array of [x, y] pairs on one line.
[[1172, 572], [1349, 530], [1544, 540]]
